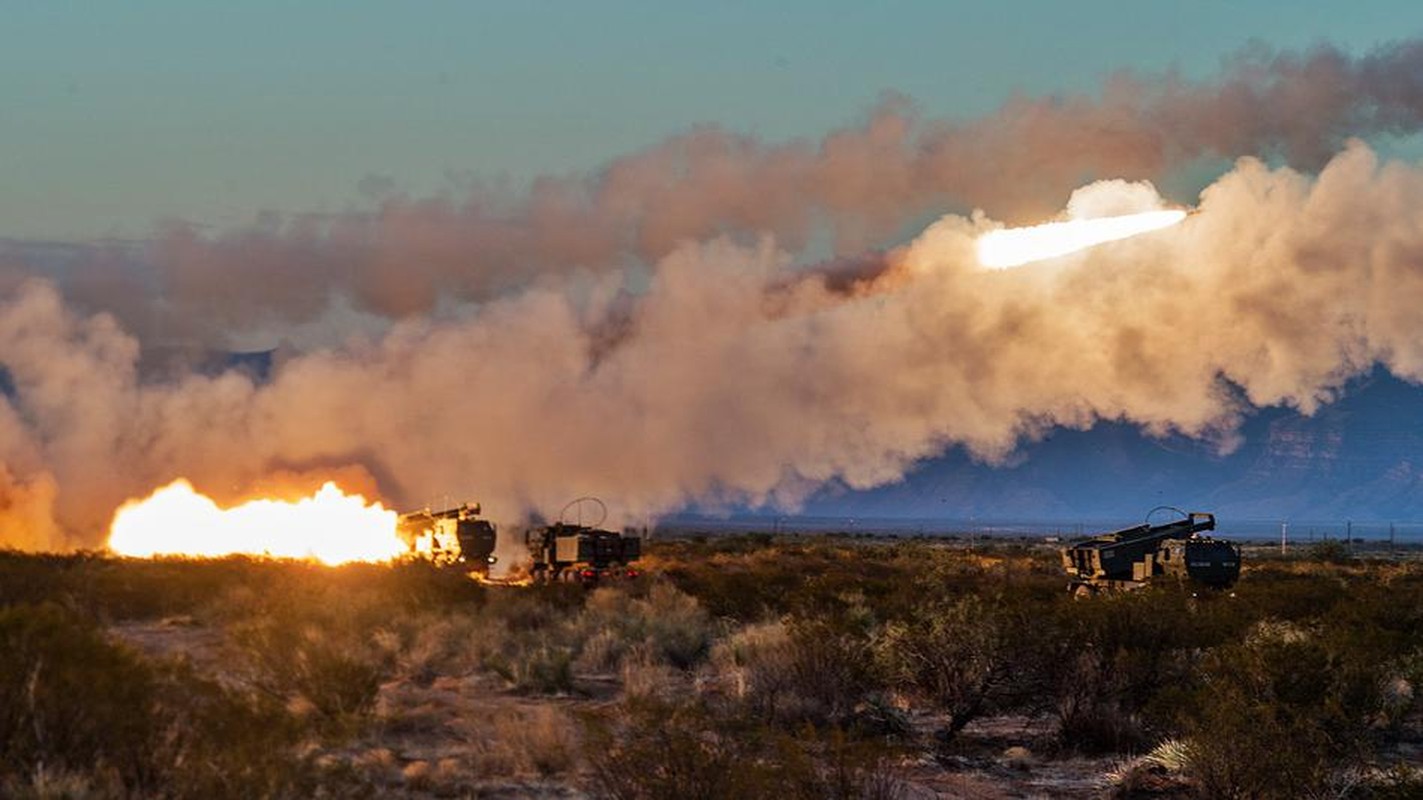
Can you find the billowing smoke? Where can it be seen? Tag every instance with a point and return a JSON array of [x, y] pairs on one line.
[[859, 187], [729, 375]]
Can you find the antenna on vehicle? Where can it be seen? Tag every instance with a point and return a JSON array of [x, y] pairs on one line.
[[1149, 514], [579, 505]]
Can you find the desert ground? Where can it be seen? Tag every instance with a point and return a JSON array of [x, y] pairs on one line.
[[735, 666]]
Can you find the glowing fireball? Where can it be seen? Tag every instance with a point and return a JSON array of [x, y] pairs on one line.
[[330, 526], [1012, 247]]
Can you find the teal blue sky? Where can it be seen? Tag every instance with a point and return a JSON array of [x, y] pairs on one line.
[[119, 115]]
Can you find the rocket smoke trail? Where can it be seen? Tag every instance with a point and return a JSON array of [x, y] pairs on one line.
[[861, 185], [723, 372], [729, 383]]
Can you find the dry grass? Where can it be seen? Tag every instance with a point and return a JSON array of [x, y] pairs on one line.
[[519, 741], [754, 655], [645, 676]]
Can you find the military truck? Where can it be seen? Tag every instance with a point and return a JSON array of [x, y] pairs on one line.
[[573, 551], [565, 552], [455, 536], [1132, 557]]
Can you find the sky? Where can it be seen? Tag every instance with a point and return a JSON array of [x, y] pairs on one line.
[[118, 116]]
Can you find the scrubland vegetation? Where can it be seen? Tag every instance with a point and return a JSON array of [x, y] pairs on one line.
[[738, 667]]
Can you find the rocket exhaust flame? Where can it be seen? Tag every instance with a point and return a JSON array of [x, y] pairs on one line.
[[1012, 247], [330, 526]]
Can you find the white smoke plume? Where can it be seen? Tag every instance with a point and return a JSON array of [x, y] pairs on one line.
[[731, 376], [1112, 198], [860, 185]]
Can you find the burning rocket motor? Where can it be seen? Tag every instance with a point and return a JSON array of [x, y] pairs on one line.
[[1013, 247]]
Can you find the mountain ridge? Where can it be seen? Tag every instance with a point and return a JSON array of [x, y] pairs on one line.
[[1360, 457]]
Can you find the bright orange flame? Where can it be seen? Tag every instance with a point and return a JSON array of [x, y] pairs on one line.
[[1012, 247], [330, 526]]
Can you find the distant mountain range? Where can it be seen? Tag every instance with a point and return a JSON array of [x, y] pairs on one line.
[[1360, 458]]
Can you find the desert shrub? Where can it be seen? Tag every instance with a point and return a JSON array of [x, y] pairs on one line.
[[49, 784], [939, 575], [854, 770], [532, 608], [755, 663], [831, 672], [961, 657], [795, 671], [531, 639], [545, 738], [1272, 594], [69, 699], [334, 637], [537, 642], [809, 765], [736, 588], [1094, 709], [645, 675], [521, 741], [1329, 551], [1280, 714], [435, 644], [1241, 748], [650, 750], [615, 630], [113, 588], [670, 625], [809, 576], [332, 656], [676, 627], [215, 743], [657, 751], [1110, 667], [338, 674], [653, 623], [533, 662], [80, 712]]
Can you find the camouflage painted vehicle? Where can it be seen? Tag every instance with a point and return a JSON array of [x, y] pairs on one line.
[[564, 552], [456, 536], [1132, 557], [568, 551]]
